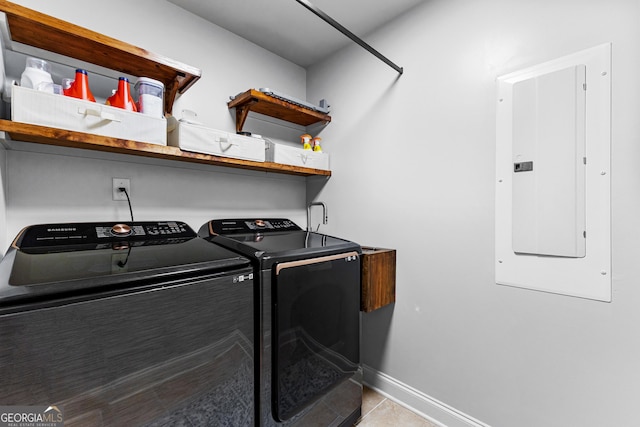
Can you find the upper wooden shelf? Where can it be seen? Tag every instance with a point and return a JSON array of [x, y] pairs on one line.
[[32, 28], [66, 138], [253, 100], [42, 31]]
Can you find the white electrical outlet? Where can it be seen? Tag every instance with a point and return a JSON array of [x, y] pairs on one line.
[[121, 183]]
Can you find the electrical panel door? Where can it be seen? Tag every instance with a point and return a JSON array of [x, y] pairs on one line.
[[548, 149]]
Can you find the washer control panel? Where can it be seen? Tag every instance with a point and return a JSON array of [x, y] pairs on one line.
[[100, 233], [150, 230], [245, 225]]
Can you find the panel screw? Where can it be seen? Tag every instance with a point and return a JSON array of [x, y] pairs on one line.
[[604, 273], [604, 73], [603, 173]]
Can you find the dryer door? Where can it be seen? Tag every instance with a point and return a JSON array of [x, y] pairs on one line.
[[316, 324]]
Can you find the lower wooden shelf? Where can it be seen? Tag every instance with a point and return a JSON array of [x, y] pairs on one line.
[[65, 138]]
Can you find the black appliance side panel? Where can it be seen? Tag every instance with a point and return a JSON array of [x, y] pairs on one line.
[[316, 322], [177, 354]]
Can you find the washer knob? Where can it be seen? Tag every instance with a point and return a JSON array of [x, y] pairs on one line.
[[259, 223], [121, 230]]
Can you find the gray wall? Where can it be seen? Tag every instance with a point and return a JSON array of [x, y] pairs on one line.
[[44, 184], [414, 170]]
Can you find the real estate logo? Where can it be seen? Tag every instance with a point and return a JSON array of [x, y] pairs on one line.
[[31, 416]]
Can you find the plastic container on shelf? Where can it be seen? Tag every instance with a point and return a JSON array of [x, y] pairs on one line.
[[122, 97], [37, 75], [79, 88], [150, 96]]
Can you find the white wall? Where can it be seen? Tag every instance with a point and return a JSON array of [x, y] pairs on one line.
[[413, 163], [45, 184]]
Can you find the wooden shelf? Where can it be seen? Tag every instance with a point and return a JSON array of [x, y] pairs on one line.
[[42, 31], [256, 101], [65, 138]]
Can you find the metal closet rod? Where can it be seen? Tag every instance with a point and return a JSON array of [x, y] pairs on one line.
[[349, 34]]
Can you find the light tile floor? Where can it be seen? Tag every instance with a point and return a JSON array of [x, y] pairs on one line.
[[378, 411]]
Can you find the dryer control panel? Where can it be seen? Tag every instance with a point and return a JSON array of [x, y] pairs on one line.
[[249, 225]]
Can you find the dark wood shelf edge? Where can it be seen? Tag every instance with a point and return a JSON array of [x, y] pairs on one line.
[[252, 99], [65, 138]]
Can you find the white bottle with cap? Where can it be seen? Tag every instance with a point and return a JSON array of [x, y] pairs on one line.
[[37, 75]]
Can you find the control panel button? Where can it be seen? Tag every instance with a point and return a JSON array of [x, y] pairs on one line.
[[121, 230]]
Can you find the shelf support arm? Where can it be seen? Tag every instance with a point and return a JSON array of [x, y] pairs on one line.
[[329, 20], [170, 93], [241, 115]]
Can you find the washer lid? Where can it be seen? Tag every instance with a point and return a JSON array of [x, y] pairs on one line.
[[273, 239], [294, 241], [46, 260]]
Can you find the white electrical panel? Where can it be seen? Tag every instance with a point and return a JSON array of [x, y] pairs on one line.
[[548, 151], [553, 139]]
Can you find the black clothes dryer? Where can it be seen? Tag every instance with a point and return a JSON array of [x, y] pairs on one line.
[[127, 324], [307, 286]]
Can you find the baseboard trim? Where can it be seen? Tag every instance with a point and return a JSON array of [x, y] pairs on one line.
[[432, 409]]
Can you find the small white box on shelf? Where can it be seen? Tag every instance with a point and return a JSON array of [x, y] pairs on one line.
[[201, 139], [63, 112], [287, 155]]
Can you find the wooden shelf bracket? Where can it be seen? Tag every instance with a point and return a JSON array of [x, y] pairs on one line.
[[242, 112]]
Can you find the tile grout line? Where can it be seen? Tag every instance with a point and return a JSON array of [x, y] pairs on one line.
[[373, 409]]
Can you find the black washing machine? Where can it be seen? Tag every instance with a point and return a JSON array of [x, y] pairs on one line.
[[307, 314], [127, 324]]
